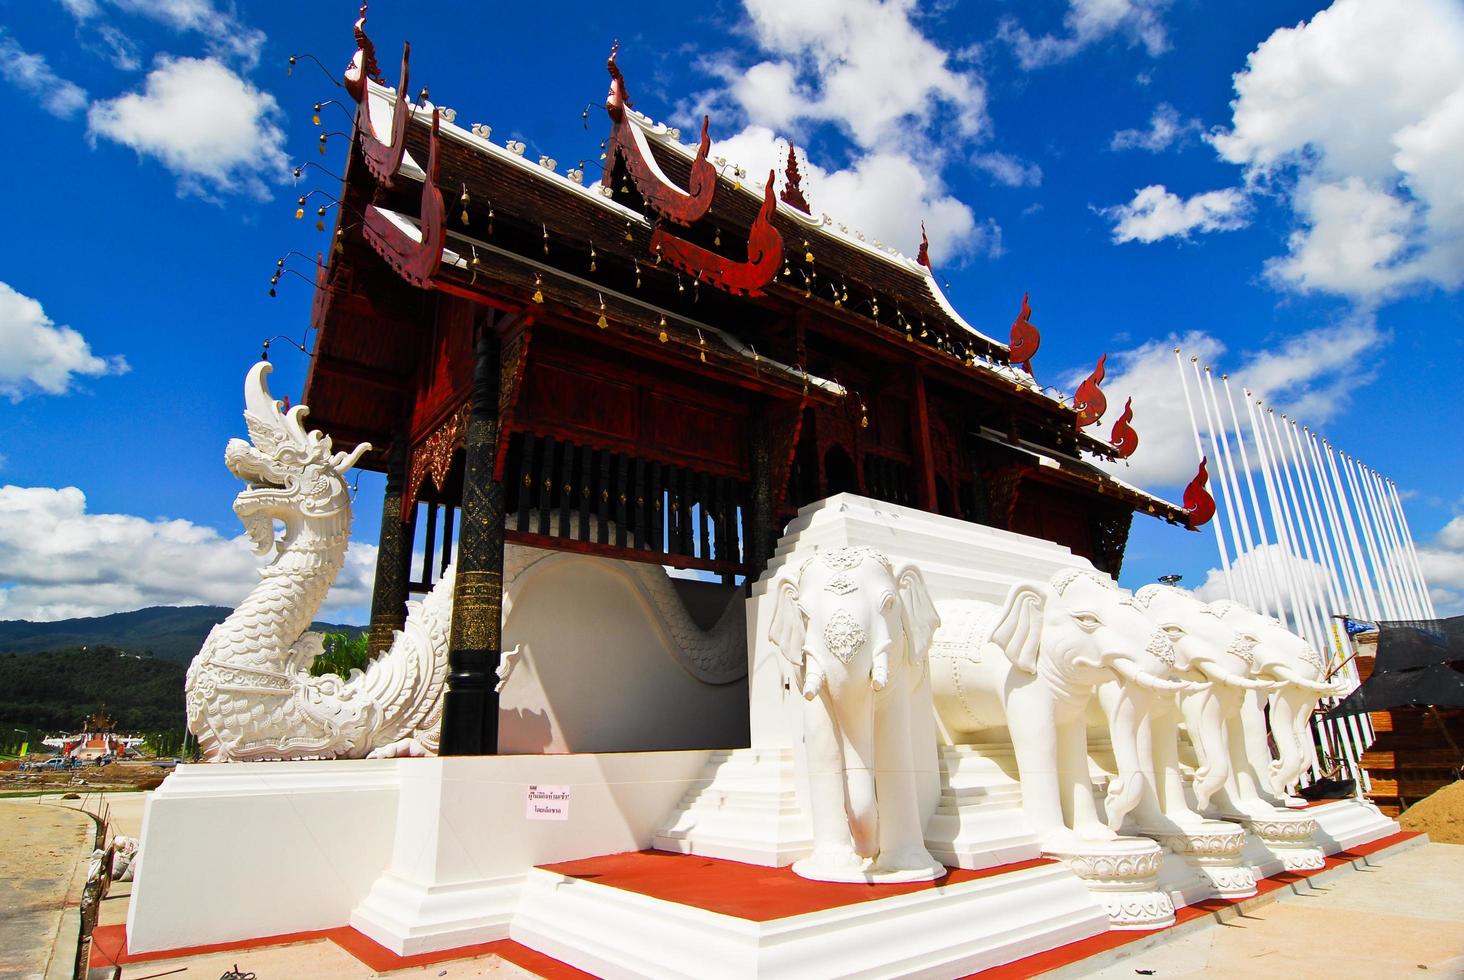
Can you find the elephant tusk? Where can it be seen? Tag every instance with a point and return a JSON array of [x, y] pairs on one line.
[[1317, 687], [1236, 681], [1132, 672]]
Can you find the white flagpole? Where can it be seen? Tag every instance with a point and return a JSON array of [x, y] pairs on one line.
[[1316, 605], [1252, 589], [1373, 610], [1355, 599], [1412, 550], [1258, 562], [1200, 452], [1335, 593], [1223, 472], [1282, 552], [1397, 558], [1386, 598]]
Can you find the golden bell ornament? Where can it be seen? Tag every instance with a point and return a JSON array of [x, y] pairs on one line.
[[602, 323]]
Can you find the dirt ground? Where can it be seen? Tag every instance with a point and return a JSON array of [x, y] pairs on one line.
[[1440, 815], [118, 775]]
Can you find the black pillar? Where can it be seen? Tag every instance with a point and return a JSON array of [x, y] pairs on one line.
[[393, 552], [761, 536], [470, 706]]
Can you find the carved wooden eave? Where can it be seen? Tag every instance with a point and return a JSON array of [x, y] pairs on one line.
[[415, 257], [1125, 440], [383, 156], [627, 142], [749, 278]]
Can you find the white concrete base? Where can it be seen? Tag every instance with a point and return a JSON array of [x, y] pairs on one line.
[[409, 918], [1122, 874], [1345, 824], [746, 810], [1283, 842], [1205, 861], [978, 822], [950, 931], [255, 849]]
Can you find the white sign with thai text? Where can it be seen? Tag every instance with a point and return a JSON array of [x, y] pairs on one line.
[[548, 802]]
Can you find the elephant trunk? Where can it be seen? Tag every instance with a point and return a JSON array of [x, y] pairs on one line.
[[1126, 668], [1227, 679], [1205, 716], [1320, 688], [1290, 725], [1126, 790]]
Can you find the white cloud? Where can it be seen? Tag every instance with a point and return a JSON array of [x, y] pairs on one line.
[[1155, 213], [226, 36], [1166, 128], [32, 74], [1007, 169], [1088, 22], [215, 131], [1442, 563], [1359, 116], [37, 356], [1311, 375], [58, 561], [1266, 571], [861, 64], [885, 195]]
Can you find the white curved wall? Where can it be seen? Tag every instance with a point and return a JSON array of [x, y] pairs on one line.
[[599, 671]]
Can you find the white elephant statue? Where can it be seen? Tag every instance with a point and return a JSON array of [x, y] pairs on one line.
[[1289, 658], [855, 630], [1032, 666], [1210, 650]]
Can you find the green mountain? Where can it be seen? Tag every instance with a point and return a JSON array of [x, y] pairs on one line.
[[56, 691], [166, 632]]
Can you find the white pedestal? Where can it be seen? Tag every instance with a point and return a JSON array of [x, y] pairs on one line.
[[1345, 824], [950, 931], [746, 810], [253, 849], [979, 822]]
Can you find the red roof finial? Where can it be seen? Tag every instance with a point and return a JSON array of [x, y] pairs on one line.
[[792, 193], [1125, 440], [1197, 499], [1089, 401], [924, 257], [1025, 338]]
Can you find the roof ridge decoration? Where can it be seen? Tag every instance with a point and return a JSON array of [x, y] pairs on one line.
[[363, 66], [684, 207], [415, 259], [1025, 338], [764, 253], [1125, 440], [383, 158], [1089, 401], [923, 256], [792, 193], [1197, 500]]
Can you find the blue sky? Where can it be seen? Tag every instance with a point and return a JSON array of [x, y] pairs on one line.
[[1274, 183]]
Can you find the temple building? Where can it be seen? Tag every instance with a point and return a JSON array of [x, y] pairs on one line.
[[660, 366]]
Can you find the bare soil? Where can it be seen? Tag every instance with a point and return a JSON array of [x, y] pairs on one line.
[[119, 775], [1440, 815]]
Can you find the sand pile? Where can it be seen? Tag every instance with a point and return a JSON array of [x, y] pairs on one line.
[[1440, 815]]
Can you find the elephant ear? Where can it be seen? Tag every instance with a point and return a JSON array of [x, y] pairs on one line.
[[787, 628], [1018, 629], [917, 613]]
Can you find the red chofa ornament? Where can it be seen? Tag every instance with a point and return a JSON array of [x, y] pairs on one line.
[[764, 254], [628, 141], [1197, 500], [415, 258], [1089, 402], [1025, 338], [1125, 440], [792, 193], [382, 159], [924, 255]]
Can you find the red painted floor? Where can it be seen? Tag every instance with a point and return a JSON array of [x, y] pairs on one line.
[[745, 891]]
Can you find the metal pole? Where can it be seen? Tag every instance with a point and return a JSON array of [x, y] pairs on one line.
[[1200, 452]]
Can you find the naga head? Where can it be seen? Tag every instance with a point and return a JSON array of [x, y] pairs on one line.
[[292, 475]]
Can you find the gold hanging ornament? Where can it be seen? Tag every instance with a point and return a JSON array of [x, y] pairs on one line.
[[299, 208], [546, 238], [602, 323], [717, 236], [863, 414], [663, 336], [315, 118], [637, 273], [701, 342], [320, 218], [463, 202], [807, 255], [592, 260], [538, 291]]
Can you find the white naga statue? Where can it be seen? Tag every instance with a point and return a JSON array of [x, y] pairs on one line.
[[249, 691], [856, 631]]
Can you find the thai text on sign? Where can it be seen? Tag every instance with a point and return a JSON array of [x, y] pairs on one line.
[[548, 802]]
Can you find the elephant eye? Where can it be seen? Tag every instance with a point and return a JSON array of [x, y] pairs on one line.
[[1087, 620], [1174, 631]]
